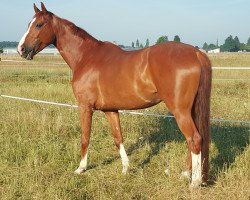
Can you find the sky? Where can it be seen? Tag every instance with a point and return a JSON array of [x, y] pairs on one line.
[[125, 21]]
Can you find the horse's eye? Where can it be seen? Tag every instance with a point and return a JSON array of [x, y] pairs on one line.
[[39, 25]]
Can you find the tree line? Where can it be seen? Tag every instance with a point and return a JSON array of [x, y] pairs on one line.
[[7, 44], [161, 39], [231, 44]]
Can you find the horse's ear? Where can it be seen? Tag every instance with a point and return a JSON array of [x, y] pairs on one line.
[[36, 9], [43, 7]]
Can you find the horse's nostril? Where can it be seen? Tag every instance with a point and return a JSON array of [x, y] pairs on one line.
[[23, 49]]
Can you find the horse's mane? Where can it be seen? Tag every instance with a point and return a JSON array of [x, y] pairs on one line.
[[75, 30]]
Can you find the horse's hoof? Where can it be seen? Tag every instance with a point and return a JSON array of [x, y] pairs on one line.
[[204, 184], [124, 170], [79, 171], [195, 184], [125, 166]]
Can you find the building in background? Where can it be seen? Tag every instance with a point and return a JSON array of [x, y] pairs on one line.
[[214, 50]]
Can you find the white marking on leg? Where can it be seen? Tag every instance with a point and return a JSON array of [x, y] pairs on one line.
[[19, 47], [83, 165], [196, 170], [124, 157]]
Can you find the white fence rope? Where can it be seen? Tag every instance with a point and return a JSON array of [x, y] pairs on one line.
[[38, 101], [63, 63], [120, 111]]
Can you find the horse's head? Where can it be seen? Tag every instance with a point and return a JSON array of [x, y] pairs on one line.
[[39, 34]]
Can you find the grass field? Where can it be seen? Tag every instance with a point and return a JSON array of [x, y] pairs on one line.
[[40, 144]]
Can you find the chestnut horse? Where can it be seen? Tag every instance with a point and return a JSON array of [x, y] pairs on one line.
[[108, 78]]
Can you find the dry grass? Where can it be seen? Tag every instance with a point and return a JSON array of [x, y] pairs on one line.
[[230, 59], [40, 144]]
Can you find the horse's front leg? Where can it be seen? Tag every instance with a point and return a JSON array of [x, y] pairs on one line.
[[86, 113], [114, 121]]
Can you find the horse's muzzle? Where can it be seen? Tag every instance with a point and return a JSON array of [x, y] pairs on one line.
[[27, 53]]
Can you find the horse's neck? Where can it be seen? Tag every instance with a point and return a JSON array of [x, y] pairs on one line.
[[73, 46]]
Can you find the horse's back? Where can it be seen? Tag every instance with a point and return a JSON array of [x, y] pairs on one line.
[[141, 78]]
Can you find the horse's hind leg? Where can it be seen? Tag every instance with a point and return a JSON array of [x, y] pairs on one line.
[[193, 138], [181, 108], [114, 121], [179, 99]]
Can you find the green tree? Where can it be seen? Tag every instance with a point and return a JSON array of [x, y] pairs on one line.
[[248, 41], [141, 46], [133, 45], [237, 43], [247, 46], [211, 46], [205, 46], [208, 47], [161, 39], [137, 44], [232, 44], [229, 44], [8, 44], [147, 43], [177, 38], [1, 50]]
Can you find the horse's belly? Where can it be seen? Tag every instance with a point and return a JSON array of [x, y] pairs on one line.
[[126, 101], [127, 88]]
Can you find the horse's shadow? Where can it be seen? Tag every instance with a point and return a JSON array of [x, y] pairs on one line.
[[156, 134], [229, 141], [165, 130]]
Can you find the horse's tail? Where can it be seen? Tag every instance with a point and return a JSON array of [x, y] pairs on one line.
[[201, 110]]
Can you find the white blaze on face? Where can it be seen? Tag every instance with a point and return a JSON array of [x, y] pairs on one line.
[[19, 48]]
